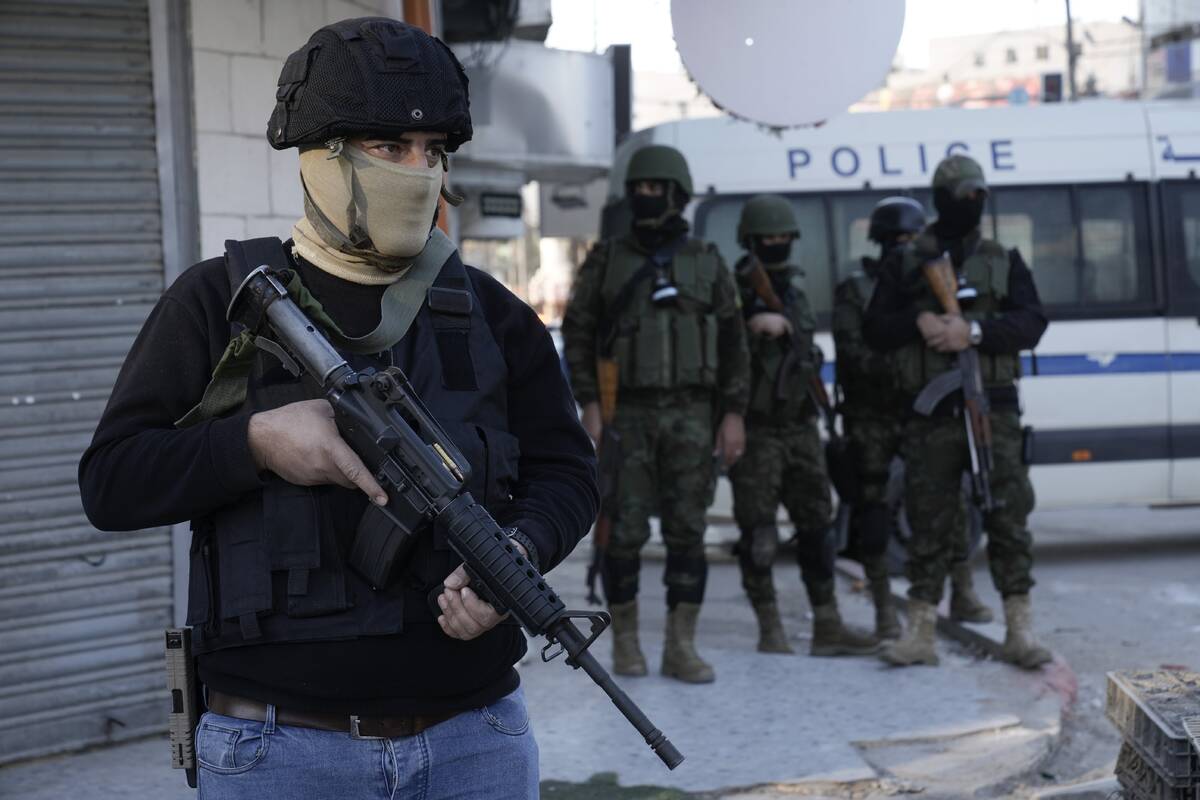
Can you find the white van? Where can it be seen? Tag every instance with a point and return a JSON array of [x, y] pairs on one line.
[[1103, 201]]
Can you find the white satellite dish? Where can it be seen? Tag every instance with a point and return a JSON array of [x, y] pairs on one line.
[[784, 63]]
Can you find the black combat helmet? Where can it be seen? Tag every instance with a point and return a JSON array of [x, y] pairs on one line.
[[895, 216], [370, 75]]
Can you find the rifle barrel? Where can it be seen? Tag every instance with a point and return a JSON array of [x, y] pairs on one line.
[[573, 641]]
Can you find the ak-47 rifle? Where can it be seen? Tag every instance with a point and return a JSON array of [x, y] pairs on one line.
[[968, 377], [425, 476], [843, 471], [609, 472]]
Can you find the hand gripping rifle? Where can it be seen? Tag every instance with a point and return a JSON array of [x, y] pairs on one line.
[[843, 471], [424, 474], [968, 377]]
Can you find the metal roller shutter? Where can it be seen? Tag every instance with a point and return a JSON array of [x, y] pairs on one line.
[[81, 612]]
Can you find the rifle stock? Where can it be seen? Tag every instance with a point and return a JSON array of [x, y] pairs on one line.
[[608, 471]]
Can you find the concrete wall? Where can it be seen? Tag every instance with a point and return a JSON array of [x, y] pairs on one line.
[[247, 188]]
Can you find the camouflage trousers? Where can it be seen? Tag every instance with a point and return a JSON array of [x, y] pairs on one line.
[[784, 464], [875, 441], [667, 471], [935, 452]]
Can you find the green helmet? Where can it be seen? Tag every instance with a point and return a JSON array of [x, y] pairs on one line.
[[658, 162], [766, 215], [959, 174]]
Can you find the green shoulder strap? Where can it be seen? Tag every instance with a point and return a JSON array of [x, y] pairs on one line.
[[399, 306]]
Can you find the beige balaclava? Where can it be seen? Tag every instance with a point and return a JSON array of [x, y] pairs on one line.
[[365, 218]]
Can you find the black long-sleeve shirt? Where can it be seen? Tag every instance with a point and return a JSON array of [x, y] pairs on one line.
[[140, 471], [890, 321]]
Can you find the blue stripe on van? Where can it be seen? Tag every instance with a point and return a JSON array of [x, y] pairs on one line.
[[1085, 365]]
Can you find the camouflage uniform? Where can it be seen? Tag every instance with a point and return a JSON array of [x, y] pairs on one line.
[[1006, 315], [667, 431], [871, 416], [784, 459]]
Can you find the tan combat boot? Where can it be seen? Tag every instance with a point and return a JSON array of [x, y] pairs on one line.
[[680, 659], [833, 638], [627, 655], [965, 605], [887, 622], [917, 646], [771, 636], [1020, 647]]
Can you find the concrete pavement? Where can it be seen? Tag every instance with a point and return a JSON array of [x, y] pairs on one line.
[[770, 724]]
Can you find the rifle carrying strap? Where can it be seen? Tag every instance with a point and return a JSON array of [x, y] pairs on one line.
[[398, 308]]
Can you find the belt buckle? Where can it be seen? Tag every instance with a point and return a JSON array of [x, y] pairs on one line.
[[354, 732]]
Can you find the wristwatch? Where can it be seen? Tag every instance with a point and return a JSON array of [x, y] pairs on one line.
[[975, 336]]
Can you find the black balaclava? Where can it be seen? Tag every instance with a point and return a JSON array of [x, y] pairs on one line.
[[772, 254], [957, 216], [658, 220]]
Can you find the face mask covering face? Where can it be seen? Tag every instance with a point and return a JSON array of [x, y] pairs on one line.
[[957, 216], [368, 217], [648, 208], [772, 254]]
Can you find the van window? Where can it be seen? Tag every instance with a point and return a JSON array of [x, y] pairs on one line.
[[1182, 221], [1038, 223], [1088, 245], [1116, 262]]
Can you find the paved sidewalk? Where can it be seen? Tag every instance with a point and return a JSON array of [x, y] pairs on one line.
[[772, 722]]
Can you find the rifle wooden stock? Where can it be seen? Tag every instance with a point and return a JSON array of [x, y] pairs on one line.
[[944, 284], [609, 451], [607, 376], [761, 283]]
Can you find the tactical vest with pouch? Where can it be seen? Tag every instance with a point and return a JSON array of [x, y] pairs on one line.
[[986, 271], [664, 347], [778, 377], [271, 567]]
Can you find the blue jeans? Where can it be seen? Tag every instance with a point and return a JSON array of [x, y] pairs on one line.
[[487, 752]]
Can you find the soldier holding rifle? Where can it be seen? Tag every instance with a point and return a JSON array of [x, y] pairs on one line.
[[958, 310], [784, 461]]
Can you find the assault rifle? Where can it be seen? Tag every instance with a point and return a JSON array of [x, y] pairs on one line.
[[968, 377], [843, 471], [608, 472], [384, 421]]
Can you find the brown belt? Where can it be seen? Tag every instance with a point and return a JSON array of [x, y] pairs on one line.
[[358, 727]]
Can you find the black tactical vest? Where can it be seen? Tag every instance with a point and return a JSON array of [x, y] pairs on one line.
[[271, 567]]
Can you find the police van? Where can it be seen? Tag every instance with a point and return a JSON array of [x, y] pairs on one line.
[[1102, 199]]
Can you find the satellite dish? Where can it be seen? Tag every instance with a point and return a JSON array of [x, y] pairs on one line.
[[784, 63]]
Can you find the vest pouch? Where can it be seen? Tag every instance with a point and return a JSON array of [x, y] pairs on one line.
[[245, 572], [201, 600], [689, 350], [765, 361], [709, 331], [301, 544], [652, 361], [291, 521], [503, 455]]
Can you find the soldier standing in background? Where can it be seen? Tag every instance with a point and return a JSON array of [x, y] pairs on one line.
[[664, 307], [784, 460], [871, 403], [873, 415], [1003, 318]]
